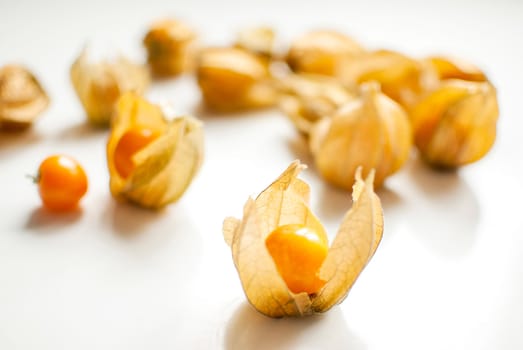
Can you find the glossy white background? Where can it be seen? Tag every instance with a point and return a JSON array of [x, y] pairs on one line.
[[449, 271]]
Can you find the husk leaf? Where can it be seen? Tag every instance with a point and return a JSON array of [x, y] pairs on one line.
[[164, 168], [453, 68], [308, 98], [356, 242], [99, 85]]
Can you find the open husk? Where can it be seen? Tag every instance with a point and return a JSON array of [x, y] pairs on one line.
[[164, 168], [22, 98], [371, 131], [286, 201], [234, 79], [99, 85], [456, 124]]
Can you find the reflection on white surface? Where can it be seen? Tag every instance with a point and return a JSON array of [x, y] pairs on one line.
[[393, 206], [299, 146], [248, 329], [12, 143], [446, 216], [508, 317], [128, 220], [80, 131], [42, 221]]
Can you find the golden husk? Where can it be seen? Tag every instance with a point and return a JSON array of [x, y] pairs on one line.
[[22, 98], [454, 68], [170, 47], [321, 51], [372, 132], [234, 79], [456, 124], [285, 201], [306, 99], [99, 85], [165, 167], [403, 79]]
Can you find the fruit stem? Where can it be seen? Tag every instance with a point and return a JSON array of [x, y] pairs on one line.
[[33, 178]]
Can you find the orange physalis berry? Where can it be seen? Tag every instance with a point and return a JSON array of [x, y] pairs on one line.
[[132, 141], [62, 182], [298, 253]]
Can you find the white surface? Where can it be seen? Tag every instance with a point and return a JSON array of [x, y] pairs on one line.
[[448, 274]]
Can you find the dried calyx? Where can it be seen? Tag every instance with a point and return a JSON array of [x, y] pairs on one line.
[[163, 167], [22, 98], [234, 79], [99, 85], [456, 124], [306, 99], [321, 52], [371, 131], [286, 202], [170, 47]]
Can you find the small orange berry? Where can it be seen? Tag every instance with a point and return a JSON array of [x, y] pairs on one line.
[[298, 252], [62, 182]]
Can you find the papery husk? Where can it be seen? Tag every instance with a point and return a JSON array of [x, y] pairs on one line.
[[402, 78], [307, 98], [259, 41], [454, 68], [234, 79], [285, 201], [170, 47], [456, 124], [321, 51], [372, 132], [165, 167], [22, 98], [355, 243], [99, 85]]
